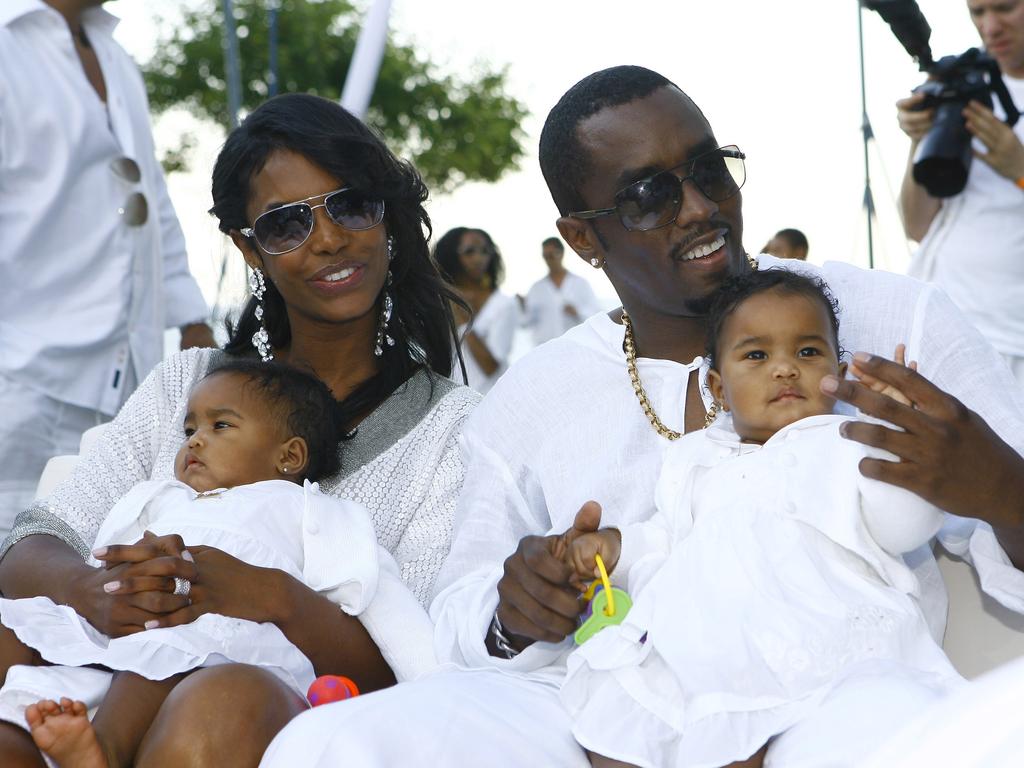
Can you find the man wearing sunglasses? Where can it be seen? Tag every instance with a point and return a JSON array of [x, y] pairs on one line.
[[93, 266], [572, 437]]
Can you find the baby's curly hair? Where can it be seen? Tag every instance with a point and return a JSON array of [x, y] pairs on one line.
[[303, 404], [736, 290]]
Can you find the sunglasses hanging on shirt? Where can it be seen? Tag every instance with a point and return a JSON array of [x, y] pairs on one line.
[[135, 210]]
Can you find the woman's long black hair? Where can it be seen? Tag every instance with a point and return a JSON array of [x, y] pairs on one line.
[[446, 254], [327, 135]]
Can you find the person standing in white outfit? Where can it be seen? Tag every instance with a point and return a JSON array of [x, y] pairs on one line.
[[972, 244], [558, 301], [93, 267], [810, 591], [472, 263]]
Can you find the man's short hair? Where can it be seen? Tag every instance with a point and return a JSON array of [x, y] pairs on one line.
[[563, 161], [794, 237], [555, 243]]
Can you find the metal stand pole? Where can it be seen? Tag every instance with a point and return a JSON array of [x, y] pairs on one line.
[[868, 134], [230, 44], [272, 6]]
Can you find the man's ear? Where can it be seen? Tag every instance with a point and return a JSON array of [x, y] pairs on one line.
[[582, 238], [717, 390], [245, 246], [842, 370], [293, 457]]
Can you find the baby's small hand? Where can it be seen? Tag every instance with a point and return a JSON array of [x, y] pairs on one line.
[[581, 554], [881, 387]]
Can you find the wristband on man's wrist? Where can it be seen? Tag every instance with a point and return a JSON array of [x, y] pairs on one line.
[[501, 641]]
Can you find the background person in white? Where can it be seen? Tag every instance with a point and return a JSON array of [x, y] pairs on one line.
[[972, 245], [93, 267], [470, 260], [559, 300]]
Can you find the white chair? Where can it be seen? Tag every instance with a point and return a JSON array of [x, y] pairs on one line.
[[980, 633]]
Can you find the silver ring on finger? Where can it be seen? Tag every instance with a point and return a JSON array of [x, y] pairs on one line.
[[182, 586]]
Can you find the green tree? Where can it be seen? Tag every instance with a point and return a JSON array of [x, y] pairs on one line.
[[453, 129]]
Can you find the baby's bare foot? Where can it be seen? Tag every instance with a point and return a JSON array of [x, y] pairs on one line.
[[63, 732]]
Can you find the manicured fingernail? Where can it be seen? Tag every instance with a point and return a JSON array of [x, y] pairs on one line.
[[186, 555], [829, 384], [112, 586], [99, 552], [151, 624], [862, 357]]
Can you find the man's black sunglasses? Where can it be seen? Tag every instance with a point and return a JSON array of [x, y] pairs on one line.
[[655, 201]]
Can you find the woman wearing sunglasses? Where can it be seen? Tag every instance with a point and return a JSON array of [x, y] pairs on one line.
[[471, 261], [333, 228]]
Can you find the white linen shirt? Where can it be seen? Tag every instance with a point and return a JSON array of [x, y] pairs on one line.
[[495, 324], [84, 298], [545, 306], [564, 426]]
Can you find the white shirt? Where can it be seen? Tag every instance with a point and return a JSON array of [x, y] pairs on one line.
[[974, 249], [84, 298], [495, 325], [546, 302], [564, 426]]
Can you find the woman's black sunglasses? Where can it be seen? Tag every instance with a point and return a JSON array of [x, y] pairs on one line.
[[286, 228], [655, 201]]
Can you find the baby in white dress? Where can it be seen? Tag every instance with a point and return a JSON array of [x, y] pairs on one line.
[[771, 572], [254, 437]]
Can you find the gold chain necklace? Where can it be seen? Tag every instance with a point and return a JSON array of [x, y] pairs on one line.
[[638, 388]]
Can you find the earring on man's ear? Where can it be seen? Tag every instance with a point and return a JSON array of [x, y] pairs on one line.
[[387, 305], [596, 263], [284, 470], [260, 339]]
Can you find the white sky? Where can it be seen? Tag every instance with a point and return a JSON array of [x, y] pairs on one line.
[[780, 79]]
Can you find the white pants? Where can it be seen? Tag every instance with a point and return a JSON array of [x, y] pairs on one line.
[[979, 726], [33, 429], [456, 718], [450, 719]]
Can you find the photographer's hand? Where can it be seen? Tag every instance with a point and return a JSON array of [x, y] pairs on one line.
[[917, 207], [914, 121], [1005, 152]]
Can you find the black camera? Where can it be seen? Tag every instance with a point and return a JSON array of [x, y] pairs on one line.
[[944, 155]]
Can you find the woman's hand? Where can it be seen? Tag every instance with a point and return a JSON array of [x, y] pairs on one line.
[[135, 586], [228, 586]]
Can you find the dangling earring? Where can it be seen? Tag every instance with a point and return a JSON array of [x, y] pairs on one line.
[[596, 263], [260, 339], [387, 305]]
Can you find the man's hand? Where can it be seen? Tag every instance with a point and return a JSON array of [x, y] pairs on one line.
[[948, 455], [571, 311], [914, 121], [875, 385], [1005, 152], [197, 335], [536, 599]]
